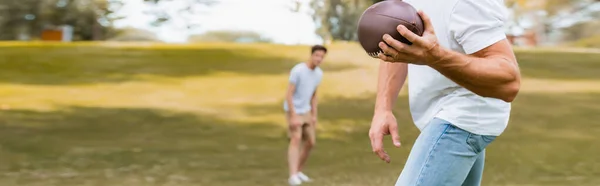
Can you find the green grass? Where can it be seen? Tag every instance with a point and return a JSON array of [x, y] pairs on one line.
[[103, 114], [591, 42]]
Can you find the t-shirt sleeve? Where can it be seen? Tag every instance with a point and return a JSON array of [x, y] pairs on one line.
[[320, 76], [294, 76], [477, 24]]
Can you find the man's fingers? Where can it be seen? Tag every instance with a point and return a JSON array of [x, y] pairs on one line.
[[400, 47], [387, 50], [409, 35], [389, 54], [395, 136], [395, 44], [377, 144], [426, 22], [384, 156], [384, 58]]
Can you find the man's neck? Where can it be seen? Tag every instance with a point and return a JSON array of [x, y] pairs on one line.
[[310, 65]]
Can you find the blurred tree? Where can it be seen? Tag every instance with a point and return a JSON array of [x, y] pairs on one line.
[[16, 16], [337, 19], [26, 19], [181, 10], [549, 16], [582, 30], [230, 36]]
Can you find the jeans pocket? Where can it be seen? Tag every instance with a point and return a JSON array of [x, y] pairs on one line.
[[479, 142], [488, 139]]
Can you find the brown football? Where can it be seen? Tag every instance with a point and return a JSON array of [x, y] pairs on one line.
[[383, 18]]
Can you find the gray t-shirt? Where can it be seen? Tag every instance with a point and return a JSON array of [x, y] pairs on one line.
[[306, 81]]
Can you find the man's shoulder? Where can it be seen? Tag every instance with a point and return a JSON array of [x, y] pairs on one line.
[[319, 71], [298, 66]]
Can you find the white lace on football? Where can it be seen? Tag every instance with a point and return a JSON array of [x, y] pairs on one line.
[[374, 54]]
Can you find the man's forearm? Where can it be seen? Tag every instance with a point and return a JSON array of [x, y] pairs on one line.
[[490, 76], [313, 106], [390, 80], [290, 104]]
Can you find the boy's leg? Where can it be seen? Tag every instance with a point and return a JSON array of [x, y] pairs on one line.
[[295, 136], [442, 155], [309, 140]]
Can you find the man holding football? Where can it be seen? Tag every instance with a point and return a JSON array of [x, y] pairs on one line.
[[462, 76]]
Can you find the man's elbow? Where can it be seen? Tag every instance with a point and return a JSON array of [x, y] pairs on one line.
[[510, 91]]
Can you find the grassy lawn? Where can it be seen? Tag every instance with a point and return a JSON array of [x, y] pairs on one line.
[[139, 114]]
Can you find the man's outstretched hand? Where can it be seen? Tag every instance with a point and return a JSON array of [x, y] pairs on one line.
[[384, 123]]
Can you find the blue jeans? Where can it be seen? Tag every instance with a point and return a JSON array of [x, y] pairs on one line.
[[445, 155]]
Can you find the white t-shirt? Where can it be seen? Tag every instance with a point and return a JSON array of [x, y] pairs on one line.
[[306, 81], [465, 26]]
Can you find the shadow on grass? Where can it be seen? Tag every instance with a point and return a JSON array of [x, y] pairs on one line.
[[92, 64], [85, 144], [559, 65], [135, 146]]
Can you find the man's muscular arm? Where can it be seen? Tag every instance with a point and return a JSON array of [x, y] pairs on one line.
[[390, 81], [491, 72]]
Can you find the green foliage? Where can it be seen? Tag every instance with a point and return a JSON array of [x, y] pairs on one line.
[[581, 30], [557, 11], [91, 19], [188, 12], [337, 19]]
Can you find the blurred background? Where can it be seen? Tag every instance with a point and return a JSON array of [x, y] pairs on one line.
[[190, 92], [530, 23]]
